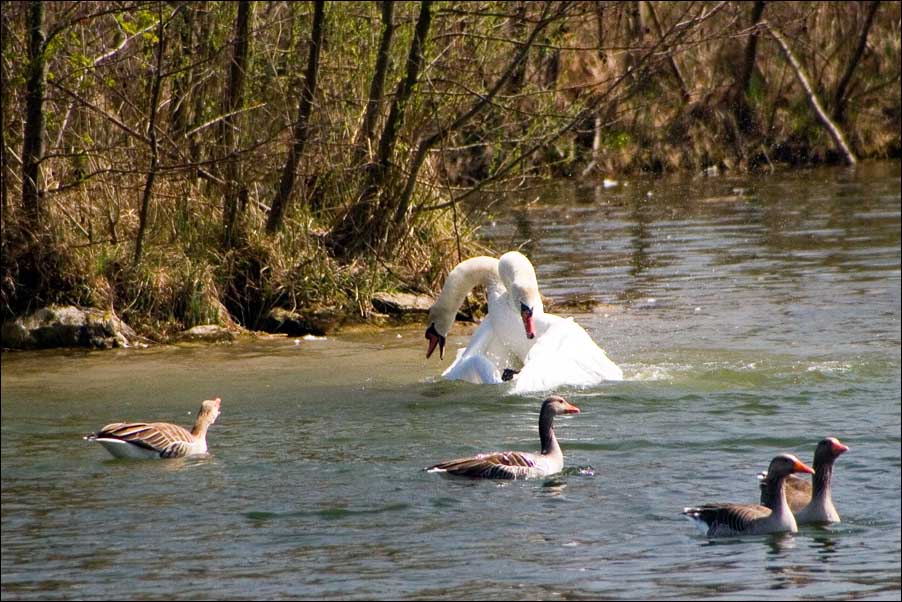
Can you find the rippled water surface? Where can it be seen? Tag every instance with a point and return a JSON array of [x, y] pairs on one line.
[[751, 316]]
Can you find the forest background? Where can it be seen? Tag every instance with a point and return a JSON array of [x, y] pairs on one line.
[[183, 163]]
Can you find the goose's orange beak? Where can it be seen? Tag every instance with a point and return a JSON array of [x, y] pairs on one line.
[[838, 448], [569, 408], [802, 467]]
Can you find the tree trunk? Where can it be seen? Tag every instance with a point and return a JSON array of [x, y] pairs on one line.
[[671, 62], [229, 138], [152, 136], [33, 143], [426, 143], [839, 97], [347, 236], [636, 26], [301, 132], [364, 142], [4, 102], [744, 116], [516, 30], [181, 84], [200, 90], [405, 88]]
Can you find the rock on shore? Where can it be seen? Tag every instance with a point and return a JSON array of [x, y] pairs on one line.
[[67, 326]]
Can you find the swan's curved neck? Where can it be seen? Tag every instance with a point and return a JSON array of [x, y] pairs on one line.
[[518, 275], [463, 278]]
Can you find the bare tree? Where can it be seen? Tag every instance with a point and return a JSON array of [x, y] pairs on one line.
[[671, 61], [744, 115], [832, 129], [4, 103], [426, 143], [183, 78], [233, 100], [152, 137], [840, 96], [366, 134], [301, 131], [33, 143], [345, 237]]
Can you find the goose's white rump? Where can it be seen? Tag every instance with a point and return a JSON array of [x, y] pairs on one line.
[[140, 440], [517, 335]]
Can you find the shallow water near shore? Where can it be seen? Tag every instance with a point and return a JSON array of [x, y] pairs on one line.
[[751, 316]]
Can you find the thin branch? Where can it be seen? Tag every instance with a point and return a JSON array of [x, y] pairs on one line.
[[832, 129], [112, 118], [219, 118]]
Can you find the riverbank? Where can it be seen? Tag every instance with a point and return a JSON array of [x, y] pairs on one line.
[[191, 164], [648, 195]]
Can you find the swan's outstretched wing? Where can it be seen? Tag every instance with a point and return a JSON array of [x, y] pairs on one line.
[[484, 359], [477, 369], [564, 355]]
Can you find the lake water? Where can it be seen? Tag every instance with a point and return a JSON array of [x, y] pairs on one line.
[[751, 316]]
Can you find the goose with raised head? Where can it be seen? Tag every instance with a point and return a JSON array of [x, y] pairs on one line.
[[144, 440], [515, 464], [725, 520], [812, 502], [517, 339]]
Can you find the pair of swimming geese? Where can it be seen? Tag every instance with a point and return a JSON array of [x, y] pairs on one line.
[[140, 440], [786, 500]]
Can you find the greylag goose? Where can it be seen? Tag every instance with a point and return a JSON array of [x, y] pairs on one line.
[[158, 439], [719, 520], [812, 506], [513, 464]]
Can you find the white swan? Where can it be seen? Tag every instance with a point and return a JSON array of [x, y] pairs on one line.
[[500, 341], [517, 333], [563, 354]]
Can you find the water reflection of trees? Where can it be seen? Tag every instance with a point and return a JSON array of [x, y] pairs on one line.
[[640, 240], [524, 232]]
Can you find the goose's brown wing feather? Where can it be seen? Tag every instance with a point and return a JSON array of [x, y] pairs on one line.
[[798, 492], [735, 517], [499, 465], [170, 440]]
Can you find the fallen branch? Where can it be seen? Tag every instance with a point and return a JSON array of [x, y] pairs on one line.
[[832, 129]]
